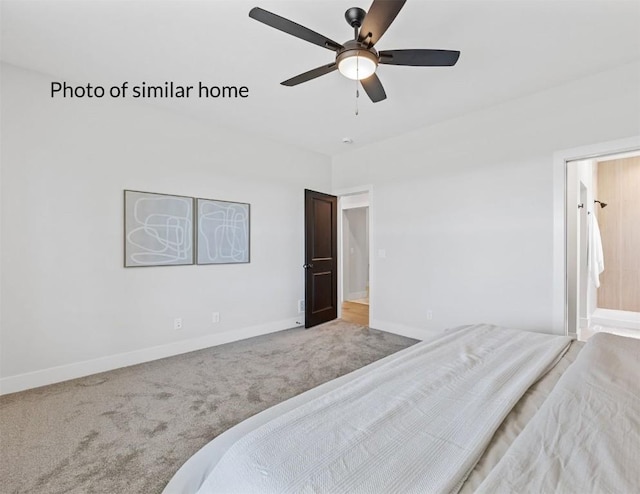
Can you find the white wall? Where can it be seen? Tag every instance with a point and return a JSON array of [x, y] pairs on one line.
[[356, 252], [69, 307], [466, 213]]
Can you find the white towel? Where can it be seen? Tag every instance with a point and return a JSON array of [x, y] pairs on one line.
[[595, 256]]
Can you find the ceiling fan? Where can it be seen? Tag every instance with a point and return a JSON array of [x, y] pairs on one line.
[[357, 58]]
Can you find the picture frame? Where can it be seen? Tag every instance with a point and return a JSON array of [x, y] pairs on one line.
[[158, 229], [223, 232]]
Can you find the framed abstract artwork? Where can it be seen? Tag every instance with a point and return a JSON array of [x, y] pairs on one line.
[[158, 229], [222, 232]]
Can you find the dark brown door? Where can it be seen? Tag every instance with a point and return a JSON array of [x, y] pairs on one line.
[[321, 247]]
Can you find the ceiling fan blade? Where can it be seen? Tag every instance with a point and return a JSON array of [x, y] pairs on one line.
[[312, 74], [380, 16], [292, 28], [420, 58], [373, 88]]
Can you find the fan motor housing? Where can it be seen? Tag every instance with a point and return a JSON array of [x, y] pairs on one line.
[[357, 61], [354, 48]]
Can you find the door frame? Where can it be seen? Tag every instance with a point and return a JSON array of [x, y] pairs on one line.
[[368, 189], [560, 279]]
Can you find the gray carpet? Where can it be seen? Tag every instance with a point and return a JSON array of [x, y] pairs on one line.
[[129, 430]]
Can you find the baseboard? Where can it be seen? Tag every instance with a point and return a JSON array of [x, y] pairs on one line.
[[616, 318], [21, 382], [356, 295], [403, 330]]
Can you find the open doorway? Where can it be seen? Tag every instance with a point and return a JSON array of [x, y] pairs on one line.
[[355, 248], [603, 245]]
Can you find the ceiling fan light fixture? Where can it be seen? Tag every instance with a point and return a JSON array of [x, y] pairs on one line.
[[357, 59], [357, 64]]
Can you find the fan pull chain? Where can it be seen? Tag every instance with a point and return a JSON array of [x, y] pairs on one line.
[[357, 80]]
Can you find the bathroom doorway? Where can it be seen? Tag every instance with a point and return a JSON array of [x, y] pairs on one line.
[[603, 245]]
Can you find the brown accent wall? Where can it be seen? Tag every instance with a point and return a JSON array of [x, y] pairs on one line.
[[619, 187]]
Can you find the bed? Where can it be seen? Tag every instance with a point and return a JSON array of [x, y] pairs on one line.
[[477, 409]]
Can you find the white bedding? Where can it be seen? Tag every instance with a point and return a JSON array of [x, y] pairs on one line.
[[518, 418], [586, 436], [417, 422]]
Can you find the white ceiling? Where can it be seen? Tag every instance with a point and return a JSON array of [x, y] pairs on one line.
[[510, 48]]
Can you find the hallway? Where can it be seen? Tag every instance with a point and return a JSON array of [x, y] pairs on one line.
[[356, 311]]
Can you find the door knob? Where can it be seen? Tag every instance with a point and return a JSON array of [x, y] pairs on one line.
[[307, 266]]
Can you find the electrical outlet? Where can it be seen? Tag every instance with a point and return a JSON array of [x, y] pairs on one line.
[[429, 315], [177, 323], [215, 317], [301, 307]]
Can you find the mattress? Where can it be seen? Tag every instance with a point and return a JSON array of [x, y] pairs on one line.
[[196, 474]]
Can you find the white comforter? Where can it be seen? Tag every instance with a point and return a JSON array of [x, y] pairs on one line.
[[586, 436], [418, 423]]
